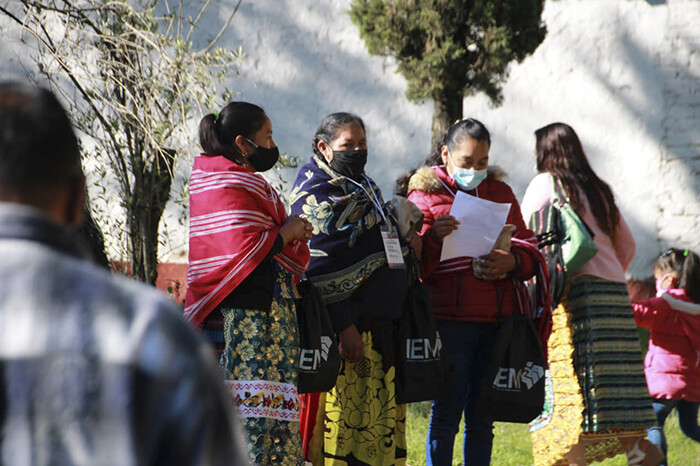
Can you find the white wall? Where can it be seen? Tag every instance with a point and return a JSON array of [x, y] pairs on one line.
[[306, 60], [625, 74]]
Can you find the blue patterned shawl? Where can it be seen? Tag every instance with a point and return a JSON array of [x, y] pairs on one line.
[[347, 246]]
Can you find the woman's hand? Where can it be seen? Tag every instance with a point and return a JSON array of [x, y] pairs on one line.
[[495, 264], [296, 228], [443, 226], [415, 242], [350, 344]]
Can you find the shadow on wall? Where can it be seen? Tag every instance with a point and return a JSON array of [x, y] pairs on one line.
[[318, 72], [674, 134], [665, 127], [673, 142], [653, 105]]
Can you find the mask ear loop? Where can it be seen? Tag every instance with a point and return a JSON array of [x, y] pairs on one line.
[[323, 153], [252, 143]]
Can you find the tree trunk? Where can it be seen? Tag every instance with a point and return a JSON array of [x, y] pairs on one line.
[[151, 194], [446, 111]]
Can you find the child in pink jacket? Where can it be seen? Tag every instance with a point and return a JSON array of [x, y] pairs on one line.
[[672, 364]]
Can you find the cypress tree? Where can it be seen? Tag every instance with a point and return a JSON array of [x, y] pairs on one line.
[[450, 49]]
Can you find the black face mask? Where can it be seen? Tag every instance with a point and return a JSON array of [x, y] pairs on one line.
[[350, 163], [263, 159]]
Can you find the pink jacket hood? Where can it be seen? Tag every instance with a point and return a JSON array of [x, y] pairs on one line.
[[688, 316]]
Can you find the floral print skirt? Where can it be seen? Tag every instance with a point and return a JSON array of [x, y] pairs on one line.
[[260, 367], [359, 421]]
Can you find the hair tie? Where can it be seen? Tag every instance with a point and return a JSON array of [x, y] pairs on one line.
[[685, 253], [216, 116]]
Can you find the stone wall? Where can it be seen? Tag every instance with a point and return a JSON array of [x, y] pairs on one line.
[[624, 73], [677, 200]]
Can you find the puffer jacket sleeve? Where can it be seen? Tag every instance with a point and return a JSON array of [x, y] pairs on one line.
[[432, 248], [652, 313]]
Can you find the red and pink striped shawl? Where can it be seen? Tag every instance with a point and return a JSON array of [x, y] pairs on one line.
[[235, 217]]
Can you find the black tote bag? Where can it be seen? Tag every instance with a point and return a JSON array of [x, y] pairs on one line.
[[423, 365], [319, 357], [513, 386]]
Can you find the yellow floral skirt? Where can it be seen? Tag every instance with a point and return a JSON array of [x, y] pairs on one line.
[[596, 387], [359, 421]]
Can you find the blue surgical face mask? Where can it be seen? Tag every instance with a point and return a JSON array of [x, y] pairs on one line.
[[468, 178]]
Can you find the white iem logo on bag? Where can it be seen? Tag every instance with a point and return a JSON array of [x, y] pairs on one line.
[[508, 378], [310, 359], [420, 349], [326, 343]]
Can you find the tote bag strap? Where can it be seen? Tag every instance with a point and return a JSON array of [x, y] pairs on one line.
[[559, 195], [519, 306]]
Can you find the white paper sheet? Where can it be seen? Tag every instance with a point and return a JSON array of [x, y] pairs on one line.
[[481, 222]]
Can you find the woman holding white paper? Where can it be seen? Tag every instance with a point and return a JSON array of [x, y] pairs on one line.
[[466, 307]]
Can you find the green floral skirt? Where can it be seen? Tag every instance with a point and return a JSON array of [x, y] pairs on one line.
[[260, 366]]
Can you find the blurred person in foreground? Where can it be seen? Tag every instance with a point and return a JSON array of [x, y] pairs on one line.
[[93, 369]]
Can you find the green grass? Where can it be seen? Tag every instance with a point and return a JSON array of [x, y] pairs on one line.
[[512, 442]]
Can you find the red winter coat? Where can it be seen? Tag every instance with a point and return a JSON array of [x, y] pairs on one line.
[[672, 364], [455, 292]]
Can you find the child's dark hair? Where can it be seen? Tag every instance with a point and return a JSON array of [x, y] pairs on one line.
[[218, 131], [686, 264], [328, 129], [454, 136]]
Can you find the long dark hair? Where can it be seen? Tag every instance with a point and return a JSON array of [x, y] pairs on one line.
[[329, 127], [454, 136], [560, 153], [686, 265], [217, 132]]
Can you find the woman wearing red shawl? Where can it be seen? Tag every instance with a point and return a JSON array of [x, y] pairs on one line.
[[243, 256]]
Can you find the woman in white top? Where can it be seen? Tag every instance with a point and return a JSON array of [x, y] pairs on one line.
[[601, 404]]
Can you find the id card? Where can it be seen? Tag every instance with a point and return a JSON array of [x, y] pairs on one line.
[[392, 247]]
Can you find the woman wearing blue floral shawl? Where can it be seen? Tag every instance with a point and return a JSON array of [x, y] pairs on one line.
[[359, 421]]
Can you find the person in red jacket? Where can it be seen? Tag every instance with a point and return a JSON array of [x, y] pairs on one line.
[[466, 306], [672, 364]]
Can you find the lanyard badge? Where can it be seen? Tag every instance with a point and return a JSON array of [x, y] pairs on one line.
[[390, 237], [392, 247]]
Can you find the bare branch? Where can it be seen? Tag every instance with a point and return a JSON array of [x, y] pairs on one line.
[[139, 85], [221, 31], [205, 5]]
